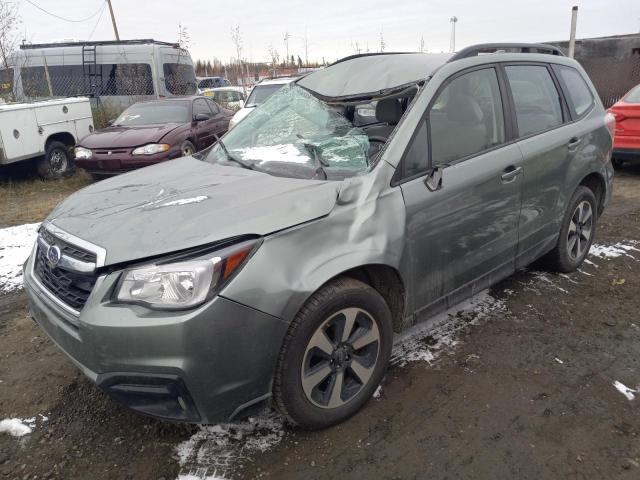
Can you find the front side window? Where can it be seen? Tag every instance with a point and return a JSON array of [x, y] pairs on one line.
[[200, 106], [153, 113], [179, 78], [536, 98], [296, 134], [575, 88], [467, 117], [6, 83]]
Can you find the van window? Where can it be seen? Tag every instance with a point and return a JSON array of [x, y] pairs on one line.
[[6, 83], [466, 117], [179, 78], [536, 98], [575, 88], [124, 79]]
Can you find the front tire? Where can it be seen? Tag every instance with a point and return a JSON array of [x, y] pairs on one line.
[[577, 232], [335, 354], [57, 162], [187, 148]]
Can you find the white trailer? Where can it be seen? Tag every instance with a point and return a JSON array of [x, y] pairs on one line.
[[46, 130]]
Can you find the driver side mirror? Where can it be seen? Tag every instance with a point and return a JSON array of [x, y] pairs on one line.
[[434, 178], [110, 122], [201, 117]]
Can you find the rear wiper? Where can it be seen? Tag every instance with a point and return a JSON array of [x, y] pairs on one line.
[[229, 156]]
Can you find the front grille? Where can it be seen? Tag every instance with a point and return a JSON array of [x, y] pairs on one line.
[[113, 152], [67, 249], [70, 287]]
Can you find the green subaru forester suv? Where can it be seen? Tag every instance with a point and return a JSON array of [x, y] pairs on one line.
[[276, 267]]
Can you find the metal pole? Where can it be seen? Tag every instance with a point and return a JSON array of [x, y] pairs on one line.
[[572, 35], [113, 21]]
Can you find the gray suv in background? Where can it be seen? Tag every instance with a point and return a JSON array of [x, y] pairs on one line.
[[277, 267]]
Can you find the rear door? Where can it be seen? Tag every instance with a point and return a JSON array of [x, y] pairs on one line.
[[462, 236], [548, 141]]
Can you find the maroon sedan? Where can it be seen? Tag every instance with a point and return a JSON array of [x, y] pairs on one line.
[[150, 132]]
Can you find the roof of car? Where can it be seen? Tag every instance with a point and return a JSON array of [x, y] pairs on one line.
[[368, 75], [224, 89]]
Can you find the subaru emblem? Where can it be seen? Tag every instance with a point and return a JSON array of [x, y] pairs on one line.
[[53, 255]]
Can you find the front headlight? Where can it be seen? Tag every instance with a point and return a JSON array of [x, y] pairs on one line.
[[184, 284], [83, 153], [151, 149]]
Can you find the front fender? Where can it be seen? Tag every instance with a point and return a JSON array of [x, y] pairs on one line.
[[291, 265]]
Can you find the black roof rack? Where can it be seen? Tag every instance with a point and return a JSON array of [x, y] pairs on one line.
[[475, 50], [143, 41]]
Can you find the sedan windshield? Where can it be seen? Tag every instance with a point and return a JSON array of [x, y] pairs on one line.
[[261, 93], [152, 113], [296, 134]]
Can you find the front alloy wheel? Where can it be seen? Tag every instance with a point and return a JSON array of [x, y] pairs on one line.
[[340, 358], [334, 354]]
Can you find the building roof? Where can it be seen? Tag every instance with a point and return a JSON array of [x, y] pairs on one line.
[[372, 74]]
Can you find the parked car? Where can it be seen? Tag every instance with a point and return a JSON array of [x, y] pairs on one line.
[[259, 94], [229, 97], [212, 82], [278, 267], [151, 132], [626, 145], [46, 131]]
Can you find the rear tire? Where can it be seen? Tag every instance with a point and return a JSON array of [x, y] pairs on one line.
[[576, 234], [57, 161], [334, 355]]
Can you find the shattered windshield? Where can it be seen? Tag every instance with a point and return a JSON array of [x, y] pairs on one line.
[[296, 134]]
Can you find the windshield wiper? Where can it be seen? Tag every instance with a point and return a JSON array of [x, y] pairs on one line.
[[320, 163], [242, 163]]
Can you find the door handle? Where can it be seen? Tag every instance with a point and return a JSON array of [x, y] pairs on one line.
[[574, 142], [510, 174]]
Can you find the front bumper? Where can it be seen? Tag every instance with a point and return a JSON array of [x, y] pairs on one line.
[[124, 162], [206, 365]]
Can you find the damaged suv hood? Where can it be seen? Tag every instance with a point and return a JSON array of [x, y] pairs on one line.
[[187, 203]]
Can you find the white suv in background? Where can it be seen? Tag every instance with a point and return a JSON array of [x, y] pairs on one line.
[[259, 95]]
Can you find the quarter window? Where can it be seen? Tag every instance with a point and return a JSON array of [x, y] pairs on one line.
[[536, 98], [417, 158], [576, 88], [466, 117]]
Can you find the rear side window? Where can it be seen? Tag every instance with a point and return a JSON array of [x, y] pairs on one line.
[[575, 88], [536, 98], [466, 117]]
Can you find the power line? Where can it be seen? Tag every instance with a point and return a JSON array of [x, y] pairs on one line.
[[66, 19], [104, 6]]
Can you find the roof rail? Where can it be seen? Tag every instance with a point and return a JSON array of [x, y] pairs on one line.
[[475, 50], [28, 46]]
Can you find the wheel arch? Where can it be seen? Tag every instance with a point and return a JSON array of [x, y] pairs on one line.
[[596, 183], [63, 137]]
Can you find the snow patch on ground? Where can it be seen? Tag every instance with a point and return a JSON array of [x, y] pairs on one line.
[[15, 246], [15, 427], [626, 391], [616, 250], [378, 393], [426, 342], [214, 450]]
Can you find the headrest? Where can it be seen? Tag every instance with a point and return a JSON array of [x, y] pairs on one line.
[[389, 110], [464, 109]]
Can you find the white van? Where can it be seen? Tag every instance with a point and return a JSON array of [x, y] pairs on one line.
[[122, 72]]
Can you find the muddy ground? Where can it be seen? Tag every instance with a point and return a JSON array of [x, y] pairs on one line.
[[526, 391]]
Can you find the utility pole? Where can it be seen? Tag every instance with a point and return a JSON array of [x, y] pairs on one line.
[[286, 44], [452, 45], [572, 33], [306, 48], [113, 21]]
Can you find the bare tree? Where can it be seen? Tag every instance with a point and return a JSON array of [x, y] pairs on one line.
[[273, 53], [382, 44], [9, 21], [422, 44], [356, 47], [184, 39], [236, 37]]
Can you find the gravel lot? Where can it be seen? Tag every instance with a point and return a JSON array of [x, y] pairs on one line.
[[518, 383]]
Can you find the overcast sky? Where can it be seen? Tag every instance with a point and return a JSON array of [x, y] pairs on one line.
[[333, 27]]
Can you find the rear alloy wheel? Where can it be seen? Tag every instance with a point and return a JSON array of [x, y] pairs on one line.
[[187, 149], [576, 234], [335, 354], [57, 162]]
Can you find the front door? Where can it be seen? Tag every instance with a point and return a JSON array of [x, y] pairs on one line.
[[463, 236], [204, 129]]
